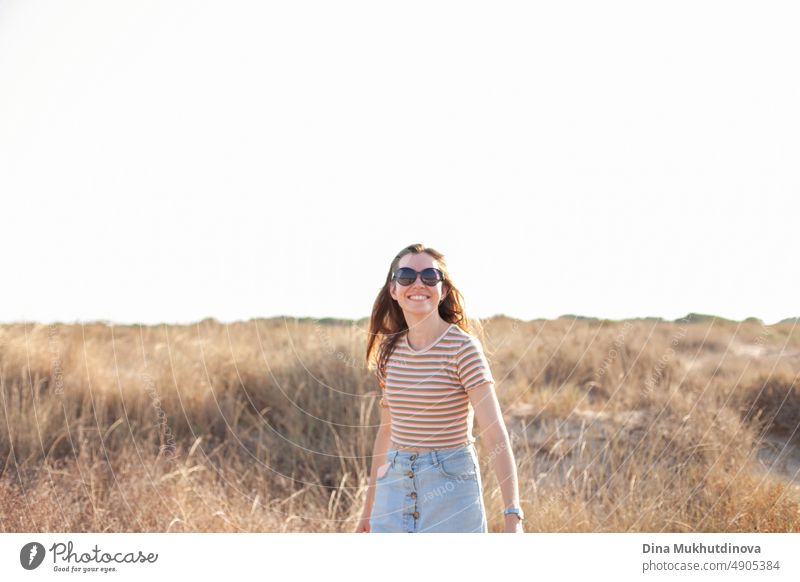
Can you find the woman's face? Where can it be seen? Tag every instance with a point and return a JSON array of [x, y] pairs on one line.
[[418, 298]]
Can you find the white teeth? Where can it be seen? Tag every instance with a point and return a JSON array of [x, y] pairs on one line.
[[417, 297]]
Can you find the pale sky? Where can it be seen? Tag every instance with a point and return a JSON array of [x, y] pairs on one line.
[[171, 161]]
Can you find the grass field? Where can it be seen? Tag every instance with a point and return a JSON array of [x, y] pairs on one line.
[[268, 425]]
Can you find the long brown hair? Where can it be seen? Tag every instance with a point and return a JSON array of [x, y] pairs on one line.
[[387, 322]]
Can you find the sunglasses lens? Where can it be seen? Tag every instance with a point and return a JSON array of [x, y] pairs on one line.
[[431, 276], [405, 276]]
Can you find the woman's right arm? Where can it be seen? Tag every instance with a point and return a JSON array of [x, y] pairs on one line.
[[382, 441]]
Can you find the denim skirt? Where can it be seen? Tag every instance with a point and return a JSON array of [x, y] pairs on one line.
[[437, 491]]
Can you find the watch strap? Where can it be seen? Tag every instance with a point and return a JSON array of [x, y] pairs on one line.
[[514, 510]]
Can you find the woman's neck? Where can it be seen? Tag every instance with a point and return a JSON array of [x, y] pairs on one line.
[[424, 332]]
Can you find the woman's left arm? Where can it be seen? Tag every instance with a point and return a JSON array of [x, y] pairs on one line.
[[494, 434]]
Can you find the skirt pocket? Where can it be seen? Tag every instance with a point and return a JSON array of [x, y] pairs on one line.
[[383, 471], [460, 466]]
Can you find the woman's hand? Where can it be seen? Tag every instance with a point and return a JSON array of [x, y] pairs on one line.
[[513, 524], [363, 524]]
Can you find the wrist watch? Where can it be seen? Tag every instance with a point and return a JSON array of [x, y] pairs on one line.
[[516, 511]]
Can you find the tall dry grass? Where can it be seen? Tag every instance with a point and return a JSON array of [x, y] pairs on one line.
[[268, 425]]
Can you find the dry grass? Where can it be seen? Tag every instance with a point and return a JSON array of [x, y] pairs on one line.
[[268, 425]]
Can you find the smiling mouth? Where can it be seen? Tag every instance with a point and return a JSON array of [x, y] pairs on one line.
[[418, 297]]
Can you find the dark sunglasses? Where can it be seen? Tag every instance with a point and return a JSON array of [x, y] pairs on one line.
[[406, 276]]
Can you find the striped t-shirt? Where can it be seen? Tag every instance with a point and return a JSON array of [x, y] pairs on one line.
[[426, 390]]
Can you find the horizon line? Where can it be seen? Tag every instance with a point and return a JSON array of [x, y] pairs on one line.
[[694, 317]]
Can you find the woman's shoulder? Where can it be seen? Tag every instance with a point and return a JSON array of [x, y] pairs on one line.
[[466, 337]]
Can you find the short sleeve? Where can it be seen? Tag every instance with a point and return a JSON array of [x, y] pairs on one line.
[[472, 366]]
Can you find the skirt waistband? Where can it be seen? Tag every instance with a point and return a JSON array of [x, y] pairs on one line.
[[434, 455], [395, 447]]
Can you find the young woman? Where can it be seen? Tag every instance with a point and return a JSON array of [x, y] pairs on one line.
[[435, 380]]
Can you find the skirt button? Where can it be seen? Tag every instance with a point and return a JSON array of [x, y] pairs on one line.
[[413, 495], [413, 457], [416, 514], [410, 473]]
